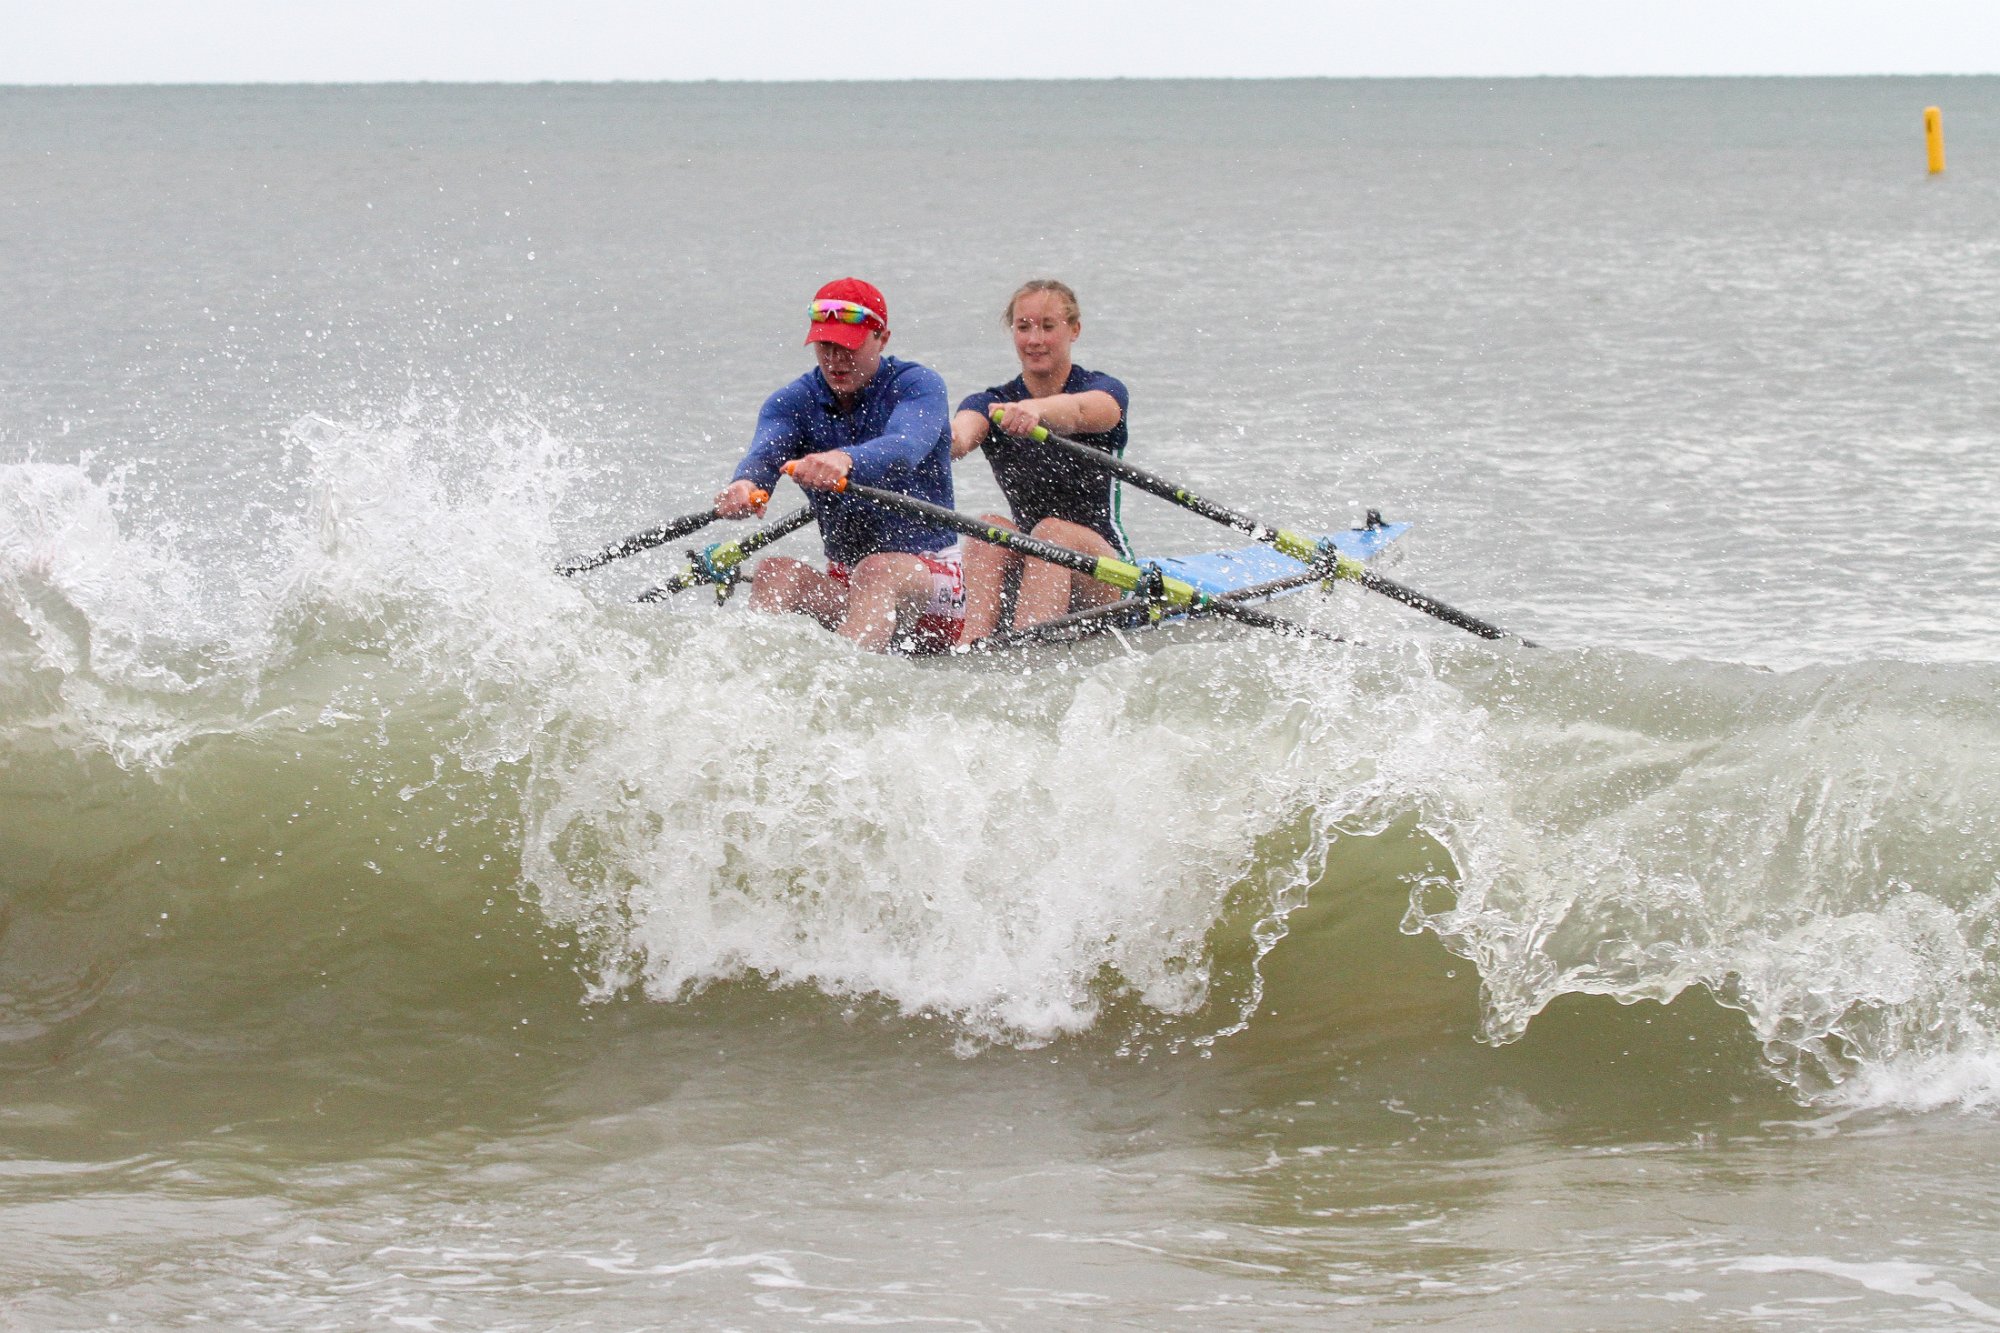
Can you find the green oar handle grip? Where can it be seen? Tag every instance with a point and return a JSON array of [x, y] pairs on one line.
[[1040, 434]]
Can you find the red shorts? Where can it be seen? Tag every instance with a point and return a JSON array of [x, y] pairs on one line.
[[943, 618]]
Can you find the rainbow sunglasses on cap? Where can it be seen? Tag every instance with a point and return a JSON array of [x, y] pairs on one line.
[[843, 312]]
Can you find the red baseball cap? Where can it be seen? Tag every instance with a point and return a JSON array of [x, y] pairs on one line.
[[852, 292]]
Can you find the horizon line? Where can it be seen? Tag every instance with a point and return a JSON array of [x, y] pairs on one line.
[[968, 79]]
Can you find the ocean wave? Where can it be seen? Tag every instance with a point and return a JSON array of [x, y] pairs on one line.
[[393, 694]]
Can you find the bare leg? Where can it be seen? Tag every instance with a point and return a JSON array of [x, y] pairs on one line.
[[780, 583], [1047, 590], [885, 585], [986, 567]]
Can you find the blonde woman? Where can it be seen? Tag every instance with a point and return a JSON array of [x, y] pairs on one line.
[[1053, 496]]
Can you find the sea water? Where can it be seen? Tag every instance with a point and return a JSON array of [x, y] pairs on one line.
[[395, 933]]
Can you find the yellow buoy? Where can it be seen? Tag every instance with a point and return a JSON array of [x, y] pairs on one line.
[[1934, 137]]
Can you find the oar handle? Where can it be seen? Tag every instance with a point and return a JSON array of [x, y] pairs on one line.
[[790, 468]]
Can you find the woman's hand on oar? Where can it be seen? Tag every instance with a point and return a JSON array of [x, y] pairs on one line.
[[672, 530], [1295, 544]]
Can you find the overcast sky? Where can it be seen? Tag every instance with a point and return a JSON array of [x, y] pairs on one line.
[[203, 41]]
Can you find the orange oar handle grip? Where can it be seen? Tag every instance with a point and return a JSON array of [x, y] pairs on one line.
[[787, 470]]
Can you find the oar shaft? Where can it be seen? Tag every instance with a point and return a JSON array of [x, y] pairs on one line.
[[659, 535], [1143, 479], [1431, 606], [1295, 544], [1117, 573], [1250, 615], [1160, 486], [1078, 623], [1075, 625]]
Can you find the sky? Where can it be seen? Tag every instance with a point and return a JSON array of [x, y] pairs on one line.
[[321, 41]]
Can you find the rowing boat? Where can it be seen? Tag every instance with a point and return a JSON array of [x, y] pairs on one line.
[[1212, 584]]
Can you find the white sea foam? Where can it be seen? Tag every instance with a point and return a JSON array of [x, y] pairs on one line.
[[1890, 1277]]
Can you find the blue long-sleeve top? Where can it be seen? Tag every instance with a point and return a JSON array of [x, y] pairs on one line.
[[898, 432]]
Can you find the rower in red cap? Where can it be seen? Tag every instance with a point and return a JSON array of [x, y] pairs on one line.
[[891, 580]]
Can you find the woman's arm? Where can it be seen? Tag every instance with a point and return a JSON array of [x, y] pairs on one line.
[[968, 432], [1084, 413]]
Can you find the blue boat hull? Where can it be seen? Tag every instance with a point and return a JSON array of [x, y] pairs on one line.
[[1218, 573]]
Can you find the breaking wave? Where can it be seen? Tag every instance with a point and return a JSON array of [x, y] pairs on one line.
[[373, 690]]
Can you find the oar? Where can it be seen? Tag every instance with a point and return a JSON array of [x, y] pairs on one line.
[[718, 563], [1063, 629], [672, 530], [1117, 573], [1294, 544]]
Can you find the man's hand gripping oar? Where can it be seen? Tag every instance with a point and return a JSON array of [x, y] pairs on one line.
[[1148, 582], [1297, 545], [672, 530]]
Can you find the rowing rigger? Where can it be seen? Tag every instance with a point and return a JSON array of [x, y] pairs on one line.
[[722, 563], [1308, 550]]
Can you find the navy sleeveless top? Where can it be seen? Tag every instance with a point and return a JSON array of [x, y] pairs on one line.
[[1040, 480]]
